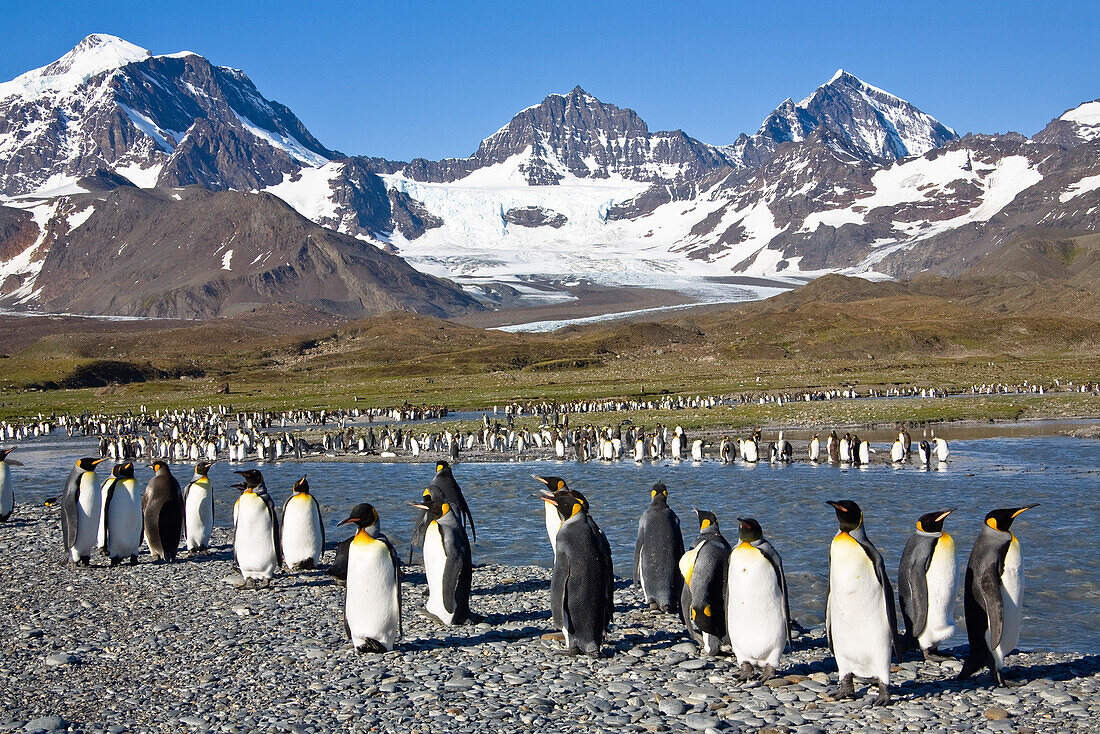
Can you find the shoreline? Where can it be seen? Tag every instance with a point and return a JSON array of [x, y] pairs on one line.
[[180, 649]]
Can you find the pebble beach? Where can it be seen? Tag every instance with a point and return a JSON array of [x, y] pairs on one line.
[[171, 648]]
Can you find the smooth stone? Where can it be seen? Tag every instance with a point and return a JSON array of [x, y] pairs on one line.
[[44, 724], [671, 706], [59, 658], [701, 721], [995, 714]]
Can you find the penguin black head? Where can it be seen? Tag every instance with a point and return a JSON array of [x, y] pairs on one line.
[[848, 514], [158, 464], [362, 516], [932, 522], [553, 484], [568, 502], [442, 466], [240, 486], [1002, 519], [433, 504], [252, 477], [659, 493], [203, 468], [4, 452], [88, 464], [301, 486], [125, 470], [708, 521], [749, 530]]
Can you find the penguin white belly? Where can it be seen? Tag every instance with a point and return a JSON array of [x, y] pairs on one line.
[[755, 618], [199, 516], [553, 524], [1012, 592], [856, 613], [124, 520], [89, 508], [371, 608], [252, 541], [7, 496], [301, 532], [435, 563], [940, 580]]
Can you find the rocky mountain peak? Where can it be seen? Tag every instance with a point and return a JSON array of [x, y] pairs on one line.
[[1073, 127], [879, 125]]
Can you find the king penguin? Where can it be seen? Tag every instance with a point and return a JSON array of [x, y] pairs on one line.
[[198, 502], [162, 508], [657, 553], [445, 480], [339, 567], [860, 619], [702, 601], [256, 545], [122, 526], [926, 585], [758, 614], [993, 597], [372, 599], [303, 539], [81, 508], [582, 586], [447, 562], [7, 494]]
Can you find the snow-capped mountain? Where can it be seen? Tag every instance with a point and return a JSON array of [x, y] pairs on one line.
[[872, 123], [1073, 127], [158, 120], [851, 179]]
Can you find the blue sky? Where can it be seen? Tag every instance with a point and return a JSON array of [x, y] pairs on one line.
[[401, 79]]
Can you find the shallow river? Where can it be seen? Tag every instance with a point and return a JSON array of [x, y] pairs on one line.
[[1059, 538]]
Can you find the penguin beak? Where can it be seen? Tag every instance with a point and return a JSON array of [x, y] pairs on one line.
[[834, 505], [1023, 509], [98, 461], [418, 506], [945, 513], [548, 500], [541, 479], [345, 522]]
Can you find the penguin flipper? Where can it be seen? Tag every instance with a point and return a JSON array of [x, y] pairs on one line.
[[104, 526], [558, 581], [396, 560], [989, 597], [68, 513], [638, 554], [320, 522], [913, 587]]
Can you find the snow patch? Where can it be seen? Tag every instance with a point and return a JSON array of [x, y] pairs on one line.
[[311, 194], [227, 259], [289, 145], [1084, 186], [76, 219], [143, 178]]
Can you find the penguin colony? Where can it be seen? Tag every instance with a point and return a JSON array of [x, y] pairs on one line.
[[729, 596]]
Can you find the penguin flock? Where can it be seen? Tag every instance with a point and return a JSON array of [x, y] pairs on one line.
[[731, 597]]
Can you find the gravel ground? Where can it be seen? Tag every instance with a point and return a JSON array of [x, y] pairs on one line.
[[178, 648]]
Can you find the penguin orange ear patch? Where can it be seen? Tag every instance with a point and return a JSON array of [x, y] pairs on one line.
[[704, 525], [561, 484]]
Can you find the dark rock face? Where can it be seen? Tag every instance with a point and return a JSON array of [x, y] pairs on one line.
[[409, 217], [217, 253], [1073, 127], [534, 216]]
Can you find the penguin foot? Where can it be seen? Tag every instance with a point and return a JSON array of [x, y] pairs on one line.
[[569, 652], [883, 697], [371, 645], [846, 689], [745, 673], [932, 655], [115, 562], [767, 673], [133, 560], [1004, 682], [85, 561], [969, 668]]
